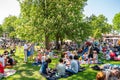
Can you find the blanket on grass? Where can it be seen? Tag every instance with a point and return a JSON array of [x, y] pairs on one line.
[[9, 72]]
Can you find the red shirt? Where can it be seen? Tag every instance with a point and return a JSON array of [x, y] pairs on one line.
[[1, 68], [112, 55], [39, 56]]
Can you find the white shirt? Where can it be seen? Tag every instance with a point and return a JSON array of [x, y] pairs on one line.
[[2, 60], [74, 66], [25, 47], [43, 59], [61, 69]]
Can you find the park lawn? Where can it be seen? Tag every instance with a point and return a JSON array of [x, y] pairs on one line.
[[29, 72]]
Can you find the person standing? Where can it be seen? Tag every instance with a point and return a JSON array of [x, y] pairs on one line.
[[26, 48], [25, 52], [32, 49]]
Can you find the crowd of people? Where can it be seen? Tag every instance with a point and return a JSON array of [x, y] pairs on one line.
[[70, 60], [6, 61]]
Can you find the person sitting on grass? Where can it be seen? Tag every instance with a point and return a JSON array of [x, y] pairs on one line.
[[90, 54], [39, 56], [38, 59], [44, 70], [2, 60], [1, 70], [50, 54], [112, 55], [85, 56], [73, 68], [76, 58], [61, 68], [9, 63], [65, 58], [44, 57]]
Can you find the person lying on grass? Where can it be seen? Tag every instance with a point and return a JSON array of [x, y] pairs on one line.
[[113, 74]]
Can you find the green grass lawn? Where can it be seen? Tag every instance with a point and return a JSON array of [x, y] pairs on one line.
[[29, 72]]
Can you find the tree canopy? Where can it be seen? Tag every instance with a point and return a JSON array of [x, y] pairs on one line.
[[55, 20], [116, 22]]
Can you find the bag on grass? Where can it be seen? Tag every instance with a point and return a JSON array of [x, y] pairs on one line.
[[96, 67]]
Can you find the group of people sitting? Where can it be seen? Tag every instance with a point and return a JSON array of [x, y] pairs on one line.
[[111, 52], [42, 55], [70, 61], [68, 64], [6, 61]]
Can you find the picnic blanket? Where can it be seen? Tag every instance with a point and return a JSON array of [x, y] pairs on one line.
[[9, 72]]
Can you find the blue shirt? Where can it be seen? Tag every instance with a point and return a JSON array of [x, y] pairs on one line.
[[44, 67]]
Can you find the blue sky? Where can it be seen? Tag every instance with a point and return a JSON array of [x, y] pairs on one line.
[[106, 7]]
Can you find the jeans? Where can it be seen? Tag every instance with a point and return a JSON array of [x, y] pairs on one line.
[[70, 70]]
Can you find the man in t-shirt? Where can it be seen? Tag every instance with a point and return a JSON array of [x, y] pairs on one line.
[[25, 52], [73, 66], [26, 48], [61, 68]]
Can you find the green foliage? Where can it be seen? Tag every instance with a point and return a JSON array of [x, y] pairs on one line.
[[116, 22], [9, 24], [98, 25], [1, 30], [52, 19]]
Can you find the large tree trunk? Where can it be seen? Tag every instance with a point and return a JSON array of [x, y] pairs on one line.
[[47, 42], [61, 40], [57, 42]]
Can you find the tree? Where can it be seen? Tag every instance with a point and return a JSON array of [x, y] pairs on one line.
[[99, 25], [52, 19], [116, 22], [9, 24], [1, 30]]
